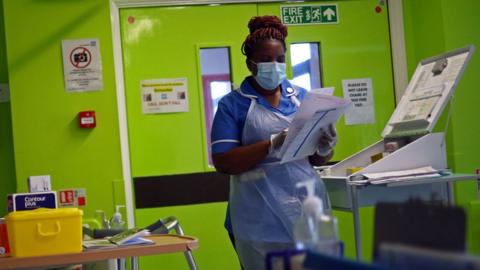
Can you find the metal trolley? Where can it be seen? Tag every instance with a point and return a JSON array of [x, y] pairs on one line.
[[163, 226]]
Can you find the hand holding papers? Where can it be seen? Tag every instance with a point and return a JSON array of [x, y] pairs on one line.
[[316, 113]]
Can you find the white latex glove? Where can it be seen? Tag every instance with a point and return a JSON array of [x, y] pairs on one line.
[[328, 140], [276, 140]]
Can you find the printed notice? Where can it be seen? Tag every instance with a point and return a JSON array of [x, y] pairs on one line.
[[164, 95], [82, 65], [359, 92]]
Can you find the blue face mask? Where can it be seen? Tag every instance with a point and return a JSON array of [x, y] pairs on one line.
[[270, 74]]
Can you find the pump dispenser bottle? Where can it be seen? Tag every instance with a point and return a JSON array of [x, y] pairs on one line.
[[315, 229], [117, 221]]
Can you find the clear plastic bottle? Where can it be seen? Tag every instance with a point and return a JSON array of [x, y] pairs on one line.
[[328, 242], [116, 222], [315, 229]]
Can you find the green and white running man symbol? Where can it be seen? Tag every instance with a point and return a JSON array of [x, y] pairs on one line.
[[309, 14]]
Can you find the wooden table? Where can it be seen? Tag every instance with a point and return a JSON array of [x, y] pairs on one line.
[[163, 244]]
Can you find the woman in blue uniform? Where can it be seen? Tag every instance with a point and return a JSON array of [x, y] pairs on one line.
[[248, 130]]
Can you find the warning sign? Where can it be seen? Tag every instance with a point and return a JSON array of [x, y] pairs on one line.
[[80, 57], [82, 65], [360, 93], [72, 197]]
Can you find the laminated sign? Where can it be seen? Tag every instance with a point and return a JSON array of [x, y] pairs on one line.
[[164, 95], [82, 65]]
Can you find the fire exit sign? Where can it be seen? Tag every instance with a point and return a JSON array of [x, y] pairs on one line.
[[309, 14]]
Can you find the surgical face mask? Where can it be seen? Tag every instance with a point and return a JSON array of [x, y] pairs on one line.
[[270, 74]]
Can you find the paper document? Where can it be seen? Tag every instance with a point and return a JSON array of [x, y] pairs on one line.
[[430, 89], [126, 238], [316, 113], [396, 176], [324, 91], [360, 93]]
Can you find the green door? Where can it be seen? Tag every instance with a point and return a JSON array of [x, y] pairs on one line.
[[168, 43], [164, 43]]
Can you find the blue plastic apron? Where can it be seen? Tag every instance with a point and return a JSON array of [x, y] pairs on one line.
[[264, 202]]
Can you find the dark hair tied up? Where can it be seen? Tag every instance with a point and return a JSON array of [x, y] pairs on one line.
[[264, 28]]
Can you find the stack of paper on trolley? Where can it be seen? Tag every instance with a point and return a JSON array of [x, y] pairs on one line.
[[396, 176], [314, 115]]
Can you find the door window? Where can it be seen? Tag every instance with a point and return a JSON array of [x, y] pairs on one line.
[[216, 82], [306, 65]]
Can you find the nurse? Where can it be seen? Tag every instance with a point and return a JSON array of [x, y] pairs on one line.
[[248, 130]]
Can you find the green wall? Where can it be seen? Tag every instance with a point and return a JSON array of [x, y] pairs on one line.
[[432, 27], [45, 130], [7, 164]]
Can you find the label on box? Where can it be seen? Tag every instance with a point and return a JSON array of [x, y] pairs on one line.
[[72, 197], [30, 201], [87, 120]]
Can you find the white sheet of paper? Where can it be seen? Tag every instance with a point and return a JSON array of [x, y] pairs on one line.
[[402, 173], [325, 91], [404, 178], [316, 112], [429, 89], [450, 73], [359, 92], [396, 176]]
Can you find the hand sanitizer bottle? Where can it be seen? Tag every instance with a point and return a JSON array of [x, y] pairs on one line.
[[117, 222], [315, 229]]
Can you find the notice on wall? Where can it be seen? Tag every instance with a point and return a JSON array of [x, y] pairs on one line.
[[82, 65], [4, 93], [164, 95], [360, 93]]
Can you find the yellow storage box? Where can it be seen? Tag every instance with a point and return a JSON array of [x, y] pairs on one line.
[[44, 232]]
